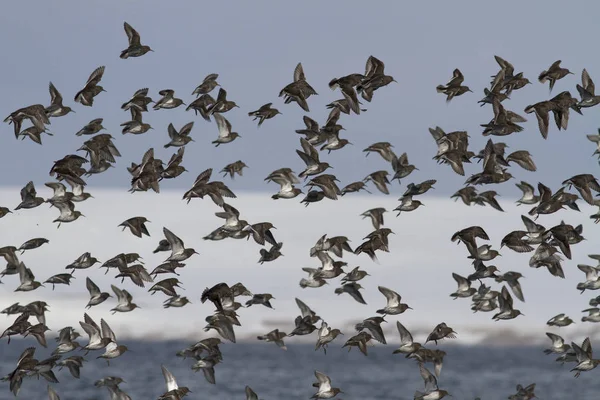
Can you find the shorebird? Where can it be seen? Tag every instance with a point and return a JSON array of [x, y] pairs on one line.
[[208, 85], [407, 344], [263, 113], [236, 167], [441, 331], [97, 337], [394, 305], [181, 138], [559, 320], [174, 392], [136, 225], [178, 250], [558, 344], [464, 287], [96, 296], [432, 392], [135, 49], [299, 90], [585, 362], [91, 89], [225, 133], [373, 324], [56, 108], [454, 87], [32, 244], [554, 73], [276, 337], [325, 390], [113, 350], [124, 300], [374, 78], [29, 197], [138, 102], [325, 336], [352, 289]]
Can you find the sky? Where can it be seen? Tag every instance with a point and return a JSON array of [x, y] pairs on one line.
[[254, 47]]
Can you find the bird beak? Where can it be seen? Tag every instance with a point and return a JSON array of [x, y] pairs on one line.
[[72, 111]]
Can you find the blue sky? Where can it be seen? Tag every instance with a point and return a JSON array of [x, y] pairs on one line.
[[255, 46]]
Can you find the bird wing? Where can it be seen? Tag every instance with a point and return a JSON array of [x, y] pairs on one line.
[[557, 341], [95, 77], [579, 352], [121, 298], [169, 379], [405, 336], [299, 73], [132, 35], [25, 274], [223, 125], [428, 378], [393, 298], [92, 332], [55, 96], [174, 241], [92, 287], [107, 332], [463, 283], [172, 131], [587, 82], [250, 395], [186, 129], [52, 395], [304, 309], [324, 381]]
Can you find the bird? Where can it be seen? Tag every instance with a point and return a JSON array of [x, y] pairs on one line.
[[136, 225], [178, 251], [585, 362], [168, 100], [441, 331], [91, 89], [225, 133], [263, 113], [407, 344], [96, 296], [432, 392], [174, 392], [394, 305], [325, 390], [56, 108], [208, 85], [553, 73], [181, 138], [276, 337], [124, 300], [135, 49], [454, 87]]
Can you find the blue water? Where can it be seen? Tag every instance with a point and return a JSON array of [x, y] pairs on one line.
[[276, 374]]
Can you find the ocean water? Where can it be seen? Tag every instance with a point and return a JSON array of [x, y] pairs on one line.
[[468, 371]]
